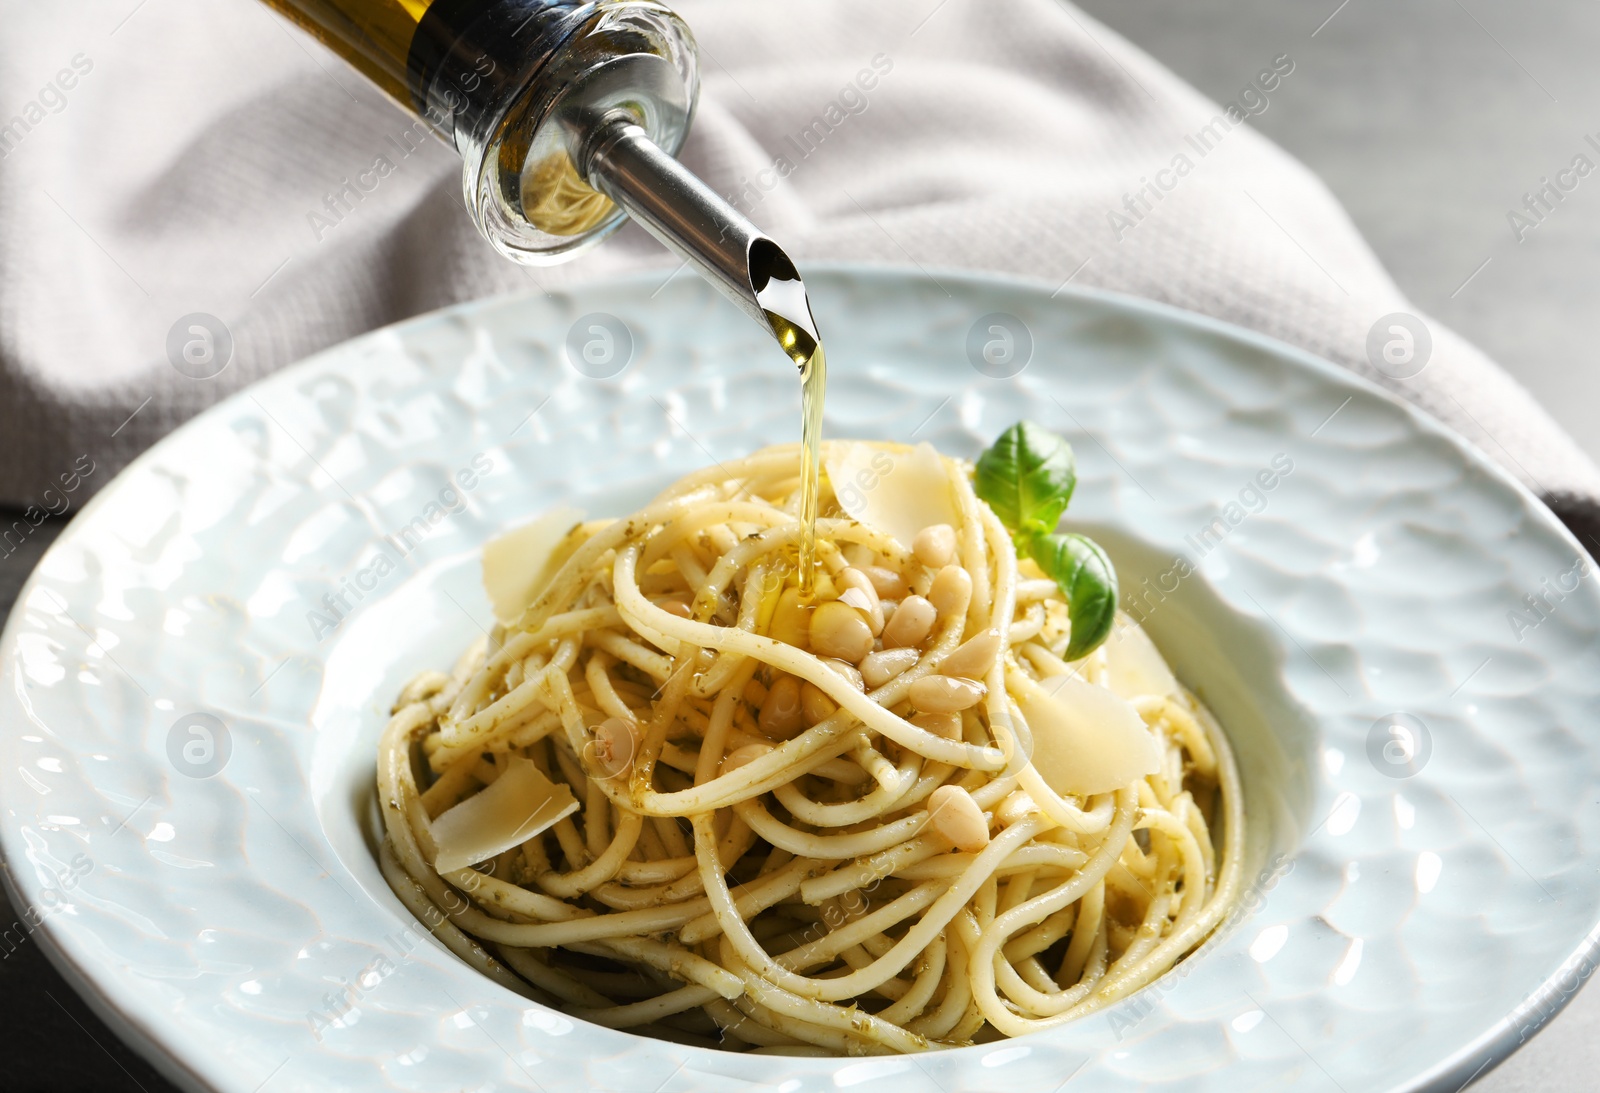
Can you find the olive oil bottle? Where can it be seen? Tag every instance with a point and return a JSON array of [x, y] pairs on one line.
[[567, 116], [503, 82]]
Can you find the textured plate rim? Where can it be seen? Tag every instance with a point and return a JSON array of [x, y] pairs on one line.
[[1488, 1049]]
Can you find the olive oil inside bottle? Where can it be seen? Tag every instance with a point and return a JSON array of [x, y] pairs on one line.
[[373, 35]]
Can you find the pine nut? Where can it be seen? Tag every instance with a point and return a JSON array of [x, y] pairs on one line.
[[947, 725], [854, 597], [791, 620], [910, 624], [755, 693], [815, 703], [975, 656], [859, 593], [852, 577], [880, 667], [1016, 807], [616, 742], [839, 630], [935, 545], [888, 584], [943, 694], [738, 757], [952, 589], [676, 607], [849, 671], [781, 716], [956, 816]]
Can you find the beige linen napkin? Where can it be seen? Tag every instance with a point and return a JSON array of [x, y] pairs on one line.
[[169, 159]]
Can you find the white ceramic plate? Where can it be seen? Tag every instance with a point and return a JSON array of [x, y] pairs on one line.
[[189, 710]]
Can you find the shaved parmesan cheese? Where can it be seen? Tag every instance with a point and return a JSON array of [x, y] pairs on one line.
[[521, 803], [1086, 739], [517, 565], [1134, 666], [897, 493]]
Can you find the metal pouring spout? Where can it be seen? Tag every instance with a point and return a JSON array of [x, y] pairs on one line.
[[615, 156]]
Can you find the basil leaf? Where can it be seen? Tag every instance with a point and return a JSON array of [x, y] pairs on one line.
[[1027, 478], [1087, 579]]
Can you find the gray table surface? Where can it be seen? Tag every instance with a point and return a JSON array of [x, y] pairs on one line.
[[1429, 119]]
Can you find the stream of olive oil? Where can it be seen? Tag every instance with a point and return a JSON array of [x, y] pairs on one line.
[[789, 313], [813, 385]]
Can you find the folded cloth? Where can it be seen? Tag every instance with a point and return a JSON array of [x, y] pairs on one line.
[[178, 158]]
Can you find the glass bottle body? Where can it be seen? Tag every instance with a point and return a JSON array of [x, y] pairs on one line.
[[506, 82]]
